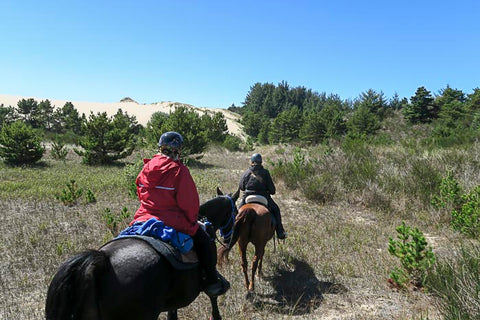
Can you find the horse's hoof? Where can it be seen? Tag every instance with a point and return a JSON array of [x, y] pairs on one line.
[[250, 295]]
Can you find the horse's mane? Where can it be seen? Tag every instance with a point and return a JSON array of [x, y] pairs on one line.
[[210, 205]]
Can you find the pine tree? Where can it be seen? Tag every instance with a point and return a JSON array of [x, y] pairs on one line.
[[19, 144], [105, 139], [421, 108]]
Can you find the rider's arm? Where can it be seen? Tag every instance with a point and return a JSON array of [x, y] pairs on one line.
[[187, 195], [243, 181], [270, 185]]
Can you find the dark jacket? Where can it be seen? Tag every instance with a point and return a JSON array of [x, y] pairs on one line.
[[257, 180]]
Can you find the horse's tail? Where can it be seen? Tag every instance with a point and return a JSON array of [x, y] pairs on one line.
[[71, 293], [242, 220]]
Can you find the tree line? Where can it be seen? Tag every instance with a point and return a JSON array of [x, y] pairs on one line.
[[281, 114], [270, 114], [99, 138]]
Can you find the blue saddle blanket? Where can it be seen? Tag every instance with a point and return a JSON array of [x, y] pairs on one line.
[[157, 229]]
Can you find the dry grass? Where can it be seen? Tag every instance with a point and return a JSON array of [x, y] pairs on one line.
[[334, 265]]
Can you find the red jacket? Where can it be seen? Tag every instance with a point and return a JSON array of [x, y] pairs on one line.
[[167, 192]]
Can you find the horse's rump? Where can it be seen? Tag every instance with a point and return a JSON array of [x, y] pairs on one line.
[[252, 220], [180, 261], [256, 212], [140, 273], [262, 221]]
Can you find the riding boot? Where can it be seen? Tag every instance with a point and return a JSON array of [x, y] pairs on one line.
[[215, 284], [281, 234]]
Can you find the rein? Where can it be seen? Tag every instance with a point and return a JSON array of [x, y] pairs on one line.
[[230, 221]]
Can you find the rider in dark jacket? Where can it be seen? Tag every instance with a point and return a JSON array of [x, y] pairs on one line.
[[257, 180]]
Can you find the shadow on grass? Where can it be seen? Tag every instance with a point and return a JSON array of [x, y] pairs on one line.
[[297, 292], [37, 165]]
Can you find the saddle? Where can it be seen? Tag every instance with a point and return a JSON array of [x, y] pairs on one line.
[[256, 198], [180, 261]]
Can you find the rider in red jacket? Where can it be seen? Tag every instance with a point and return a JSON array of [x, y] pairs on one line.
[[167, 192]]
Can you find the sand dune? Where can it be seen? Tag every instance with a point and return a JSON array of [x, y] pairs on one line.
[[142, 112]]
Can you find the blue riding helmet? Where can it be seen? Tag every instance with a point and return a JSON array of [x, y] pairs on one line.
[[172, 140], [256, 158]]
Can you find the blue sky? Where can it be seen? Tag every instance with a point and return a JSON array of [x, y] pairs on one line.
[[209, 53]]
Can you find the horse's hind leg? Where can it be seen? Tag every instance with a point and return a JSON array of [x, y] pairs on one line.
[[242, 248], [260, 266], [259, 252]]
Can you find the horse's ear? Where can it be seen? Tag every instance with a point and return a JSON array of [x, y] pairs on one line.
[[235, 195], [219, 192]]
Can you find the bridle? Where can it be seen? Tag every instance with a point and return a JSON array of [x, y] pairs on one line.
[[227, 229]]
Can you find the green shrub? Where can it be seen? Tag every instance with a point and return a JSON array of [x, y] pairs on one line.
[[464, 208], [188, 123], [444, 137], [117, 222], [467, 218], [450, 193], [90, 196], [215, 126], [293, 172], [71, 194], [415, 258], [64, 247], [19, 144], [131, 172], [59, 151], [320, 188], [363, 122], [106, 139], [249, 144], [232, 143], [383, 139]]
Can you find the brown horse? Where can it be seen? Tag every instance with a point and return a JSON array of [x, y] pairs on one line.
[[254, 224]]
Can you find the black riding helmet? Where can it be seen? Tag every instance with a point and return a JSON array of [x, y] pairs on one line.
[[256, 158], [171, 142]]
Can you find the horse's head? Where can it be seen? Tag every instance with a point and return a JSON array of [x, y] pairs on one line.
[[220, 212]]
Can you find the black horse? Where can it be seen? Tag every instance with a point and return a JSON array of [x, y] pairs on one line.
[[128, 279]]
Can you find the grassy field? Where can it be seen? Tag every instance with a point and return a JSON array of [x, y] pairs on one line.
[[334, 265]]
